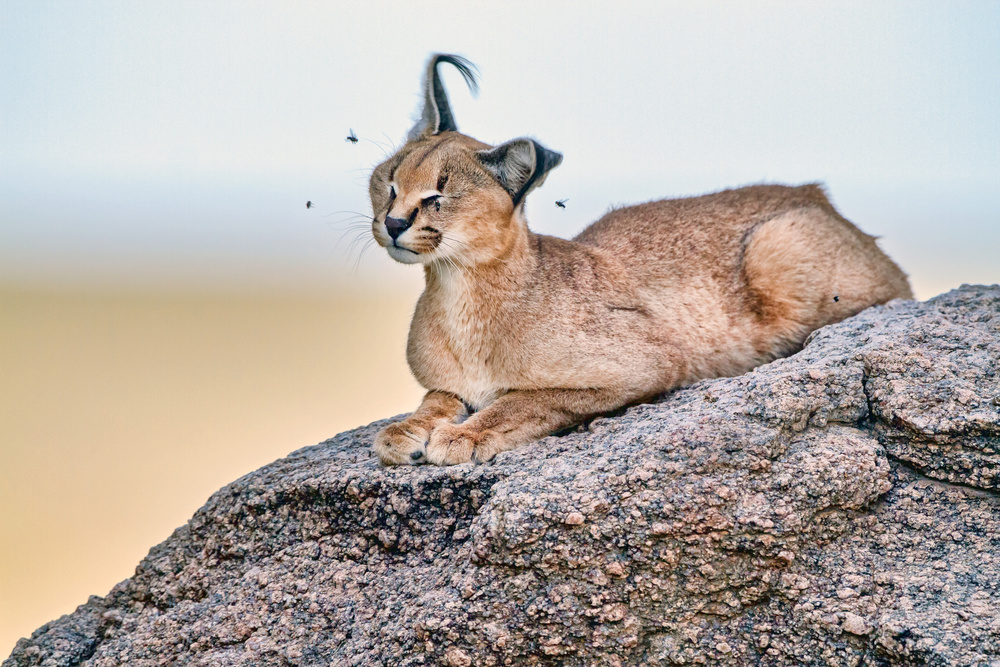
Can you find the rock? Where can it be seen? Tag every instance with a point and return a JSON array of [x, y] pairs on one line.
[[840, 506], [855, 624]]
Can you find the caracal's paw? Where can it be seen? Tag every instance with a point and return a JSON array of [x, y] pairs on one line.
[[450, 444], [400, 444]]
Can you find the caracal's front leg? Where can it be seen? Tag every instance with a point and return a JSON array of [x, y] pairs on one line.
[[402, 443], [519, 417]]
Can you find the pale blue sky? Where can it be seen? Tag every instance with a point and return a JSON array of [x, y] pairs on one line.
[[151, 142]]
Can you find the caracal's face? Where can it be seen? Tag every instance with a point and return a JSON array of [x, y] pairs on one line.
[[433, 202]]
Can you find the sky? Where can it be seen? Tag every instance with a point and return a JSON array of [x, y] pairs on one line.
[[177, 142]]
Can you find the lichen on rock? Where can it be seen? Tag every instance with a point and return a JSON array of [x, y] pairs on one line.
[[839, 506]]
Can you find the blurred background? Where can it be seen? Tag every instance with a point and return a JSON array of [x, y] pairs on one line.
[[172, 316]]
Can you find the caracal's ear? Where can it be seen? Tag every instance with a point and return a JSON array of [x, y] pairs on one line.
[[436, 115], [520, 165]]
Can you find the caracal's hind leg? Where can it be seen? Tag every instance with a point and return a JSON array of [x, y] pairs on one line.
[[809, 267]]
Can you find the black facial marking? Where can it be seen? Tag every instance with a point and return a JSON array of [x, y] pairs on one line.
[[430, 150], [442, 179], [434, 200]]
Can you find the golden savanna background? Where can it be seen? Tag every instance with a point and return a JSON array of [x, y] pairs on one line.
[[172, 316]]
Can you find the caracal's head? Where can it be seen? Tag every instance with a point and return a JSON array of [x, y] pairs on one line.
[[447, 199]]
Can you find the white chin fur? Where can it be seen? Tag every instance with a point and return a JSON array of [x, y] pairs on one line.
[[403, 256]]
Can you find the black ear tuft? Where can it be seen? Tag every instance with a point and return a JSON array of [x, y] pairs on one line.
[[520, 165], [436, 114]]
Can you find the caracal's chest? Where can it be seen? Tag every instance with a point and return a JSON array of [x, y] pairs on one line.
[[454, 346]]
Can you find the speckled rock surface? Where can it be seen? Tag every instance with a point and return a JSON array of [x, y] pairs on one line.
[[839, 507]]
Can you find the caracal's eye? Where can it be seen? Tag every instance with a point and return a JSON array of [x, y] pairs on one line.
[[434, 200]]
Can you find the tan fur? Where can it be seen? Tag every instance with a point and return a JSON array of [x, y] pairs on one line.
[[537, 333]]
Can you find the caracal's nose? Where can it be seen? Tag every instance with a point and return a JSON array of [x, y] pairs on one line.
[[396, 226]]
